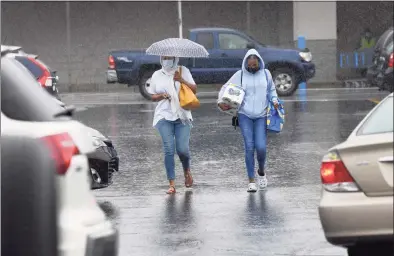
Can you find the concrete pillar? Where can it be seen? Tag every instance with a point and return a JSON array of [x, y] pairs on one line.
[[248, 17], [317, 22]]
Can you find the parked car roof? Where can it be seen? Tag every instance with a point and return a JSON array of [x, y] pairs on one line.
[[10, 49], [211, 29]]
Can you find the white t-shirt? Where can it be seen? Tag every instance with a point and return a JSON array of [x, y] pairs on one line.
[[159, 84]]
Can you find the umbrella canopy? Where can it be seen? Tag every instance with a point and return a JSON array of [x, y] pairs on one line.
[[177, 47]]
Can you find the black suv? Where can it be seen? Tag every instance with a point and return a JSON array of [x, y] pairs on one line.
[[380, 73]]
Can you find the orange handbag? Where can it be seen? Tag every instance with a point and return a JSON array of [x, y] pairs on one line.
[[187, 99]]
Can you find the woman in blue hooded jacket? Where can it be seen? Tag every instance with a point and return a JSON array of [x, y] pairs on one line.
[[252, 115]]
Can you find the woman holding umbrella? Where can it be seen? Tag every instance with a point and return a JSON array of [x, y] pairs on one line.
[[170, 119]]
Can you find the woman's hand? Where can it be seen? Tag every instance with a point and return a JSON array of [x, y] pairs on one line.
[[224, 106], [166, 96], [178, 77], [161, 96]]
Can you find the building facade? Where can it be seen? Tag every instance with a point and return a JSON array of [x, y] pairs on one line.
[[98, 27]]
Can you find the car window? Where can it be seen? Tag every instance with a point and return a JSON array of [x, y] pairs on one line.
[[31, 66], [21, 98], [206, 40], [232, 41], [388, 34], [389, 48], [44, 65], [380, 120]]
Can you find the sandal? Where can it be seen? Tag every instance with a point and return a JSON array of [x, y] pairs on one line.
[[188, 179], [171, 190]]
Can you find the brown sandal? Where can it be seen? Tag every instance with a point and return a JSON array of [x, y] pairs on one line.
[[188, 179], [171, 190]]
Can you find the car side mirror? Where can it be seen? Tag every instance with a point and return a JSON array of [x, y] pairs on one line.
[[250, 45]]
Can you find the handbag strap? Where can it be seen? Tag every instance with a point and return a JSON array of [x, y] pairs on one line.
[[180, 73], [269, 84], [242, 75]]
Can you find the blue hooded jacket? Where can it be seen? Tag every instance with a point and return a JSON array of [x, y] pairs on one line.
[[257, 91]]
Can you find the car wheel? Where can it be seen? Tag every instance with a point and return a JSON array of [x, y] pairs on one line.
[[95, 179], [144, 84], [285, 82], [381, 249]]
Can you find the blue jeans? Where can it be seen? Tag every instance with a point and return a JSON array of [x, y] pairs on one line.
[[175, 136], [254, 132]]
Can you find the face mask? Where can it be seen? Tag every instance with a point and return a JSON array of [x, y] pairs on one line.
[[167, 63], [252, 70]]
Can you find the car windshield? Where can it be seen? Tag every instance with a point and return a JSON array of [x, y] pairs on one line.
[[251, 37], [380, 120]]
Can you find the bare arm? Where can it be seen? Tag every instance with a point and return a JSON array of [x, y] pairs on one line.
[[186, 78], [157, 97], [192, 87]]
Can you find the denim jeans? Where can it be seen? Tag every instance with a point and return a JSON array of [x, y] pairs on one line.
[[254, 132], [175, 136]]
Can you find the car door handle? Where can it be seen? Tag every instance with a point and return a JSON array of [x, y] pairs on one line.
[[224, 55], [386, 159]]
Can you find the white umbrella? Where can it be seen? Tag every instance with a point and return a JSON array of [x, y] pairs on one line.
[[177, 47]]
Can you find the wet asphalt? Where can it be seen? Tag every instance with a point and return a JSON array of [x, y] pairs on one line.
[[218, 216]]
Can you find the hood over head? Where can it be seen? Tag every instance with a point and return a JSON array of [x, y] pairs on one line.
[[245, 61]]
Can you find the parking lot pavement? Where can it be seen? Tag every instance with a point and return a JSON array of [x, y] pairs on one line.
[[218, 216], [327, 94]]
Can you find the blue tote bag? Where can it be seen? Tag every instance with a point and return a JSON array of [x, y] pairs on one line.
[[275, 117]]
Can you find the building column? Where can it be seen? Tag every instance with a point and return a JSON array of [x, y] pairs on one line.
[[317, 22]]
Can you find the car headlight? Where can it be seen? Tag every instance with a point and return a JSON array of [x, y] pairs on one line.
[[98, 142], [306, 56]]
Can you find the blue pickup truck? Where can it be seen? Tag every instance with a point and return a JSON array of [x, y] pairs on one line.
[[227, 48]]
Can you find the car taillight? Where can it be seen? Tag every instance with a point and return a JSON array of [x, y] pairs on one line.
[[335, 176], [45, 80], [391, 61], [111, 62], [62, 149]]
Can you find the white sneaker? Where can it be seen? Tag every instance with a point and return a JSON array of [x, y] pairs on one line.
[[263, 182], [252, 187]]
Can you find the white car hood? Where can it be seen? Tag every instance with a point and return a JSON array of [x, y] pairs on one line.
[[94, 133]]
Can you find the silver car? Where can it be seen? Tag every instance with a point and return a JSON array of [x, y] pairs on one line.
[[356, 207]]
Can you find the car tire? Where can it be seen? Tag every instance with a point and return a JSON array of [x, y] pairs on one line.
[[94, 184], [144, 84], [285, 81], [381, 249]]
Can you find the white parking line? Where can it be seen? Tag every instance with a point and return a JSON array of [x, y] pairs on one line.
[[92, 94]]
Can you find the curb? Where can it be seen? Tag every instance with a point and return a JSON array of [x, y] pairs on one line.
[[356, 83]]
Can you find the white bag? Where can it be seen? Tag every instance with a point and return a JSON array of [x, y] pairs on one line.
[[233, 96]]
